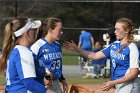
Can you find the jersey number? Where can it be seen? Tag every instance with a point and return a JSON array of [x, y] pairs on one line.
[[113, 63], [56, 65]]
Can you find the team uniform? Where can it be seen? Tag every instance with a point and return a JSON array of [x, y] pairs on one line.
[[49, 56], [121, 64], [20, 72], [85, 38]]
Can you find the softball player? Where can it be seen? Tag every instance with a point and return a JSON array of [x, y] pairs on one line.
[[123, 55], [48, 54], [20, 73]]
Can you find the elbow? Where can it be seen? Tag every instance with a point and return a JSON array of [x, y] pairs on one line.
[[134, 74]]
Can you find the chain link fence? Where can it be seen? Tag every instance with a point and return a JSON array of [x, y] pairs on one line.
[[95, 16]]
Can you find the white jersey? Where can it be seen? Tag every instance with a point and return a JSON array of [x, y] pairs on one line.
[[20, 65]]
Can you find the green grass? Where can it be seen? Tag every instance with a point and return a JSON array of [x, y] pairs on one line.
[[72, 80], [86, 80], [69, 57], [70, 60]]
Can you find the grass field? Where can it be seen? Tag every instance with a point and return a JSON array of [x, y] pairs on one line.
[[69, 57], [86, 80], [72, 80]]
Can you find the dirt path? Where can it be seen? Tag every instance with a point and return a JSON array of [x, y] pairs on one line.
[[97, 87]]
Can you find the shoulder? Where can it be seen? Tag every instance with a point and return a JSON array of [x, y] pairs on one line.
[[37, 45], [24, 52], [132, 46], [115, 43], [57, 43]]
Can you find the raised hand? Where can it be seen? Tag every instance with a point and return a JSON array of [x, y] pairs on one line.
[[70, 45]]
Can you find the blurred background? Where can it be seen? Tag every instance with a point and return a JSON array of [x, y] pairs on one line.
[[95, 16]]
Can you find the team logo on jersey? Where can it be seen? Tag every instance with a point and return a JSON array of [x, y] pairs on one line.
[[113, 46], [45, 50]]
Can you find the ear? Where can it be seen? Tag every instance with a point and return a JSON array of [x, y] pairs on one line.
[[126, 30], [50, 30], [26, 34]]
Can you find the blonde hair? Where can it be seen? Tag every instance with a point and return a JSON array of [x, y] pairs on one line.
[[127, 24], [10, 40]]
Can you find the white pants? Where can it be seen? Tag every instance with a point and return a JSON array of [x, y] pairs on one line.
[[129, 87]]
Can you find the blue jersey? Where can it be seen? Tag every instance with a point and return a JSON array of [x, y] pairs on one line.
[[123, 61], [49, 56], [20, 66], [85, 38]]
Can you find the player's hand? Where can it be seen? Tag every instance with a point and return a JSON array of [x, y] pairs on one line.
[[48, 82], [48, 79], [70, 45], [107, 86]]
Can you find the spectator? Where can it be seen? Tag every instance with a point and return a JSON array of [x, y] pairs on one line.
[[98, 64], [123, 55], [20, 74], [48, 55], [86, 42]]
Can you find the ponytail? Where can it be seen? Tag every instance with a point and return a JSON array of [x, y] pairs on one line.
[[10, 40]]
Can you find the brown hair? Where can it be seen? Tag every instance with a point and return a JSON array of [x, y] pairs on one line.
[[10, 40], [127, 24], [47, 24]]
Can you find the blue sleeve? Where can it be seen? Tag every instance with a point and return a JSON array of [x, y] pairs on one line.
[[34, 86], [106, 51]]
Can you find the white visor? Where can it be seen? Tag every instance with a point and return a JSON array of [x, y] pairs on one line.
[[29, 25]]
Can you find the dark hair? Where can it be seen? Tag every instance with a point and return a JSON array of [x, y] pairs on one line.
[[10, 40]]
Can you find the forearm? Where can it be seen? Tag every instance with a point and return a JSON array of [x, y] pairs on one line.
[[90, 55], [126, 78], [87, 54]]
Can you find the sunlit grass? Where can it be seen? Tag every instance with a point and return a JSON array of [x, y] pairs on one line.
[[86, 80]]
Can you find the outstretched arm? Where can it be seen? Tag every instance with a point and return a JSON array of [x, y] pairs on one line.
[[88, 54]]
